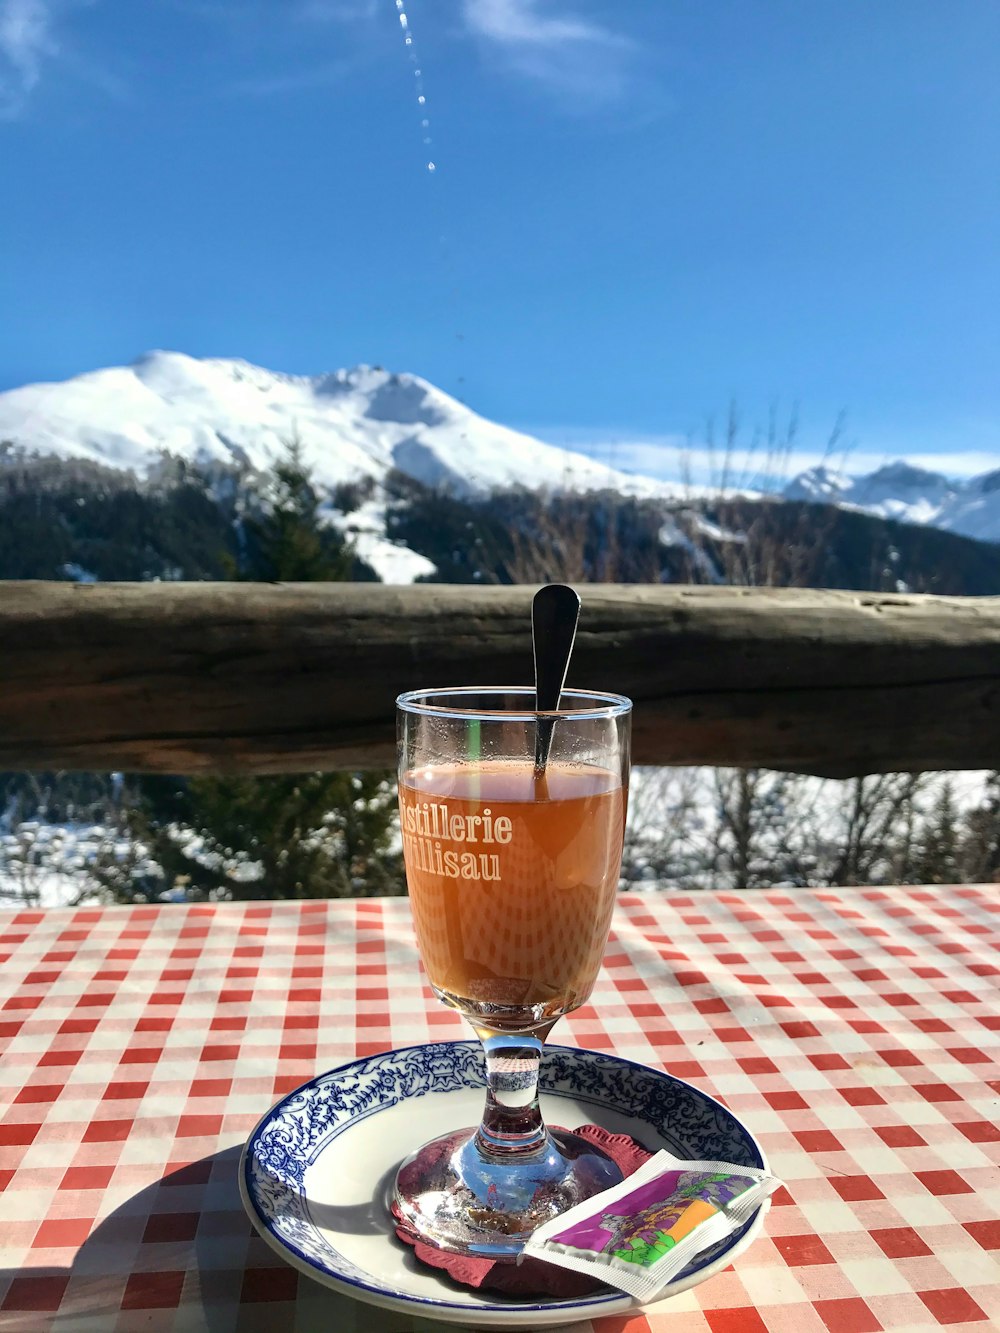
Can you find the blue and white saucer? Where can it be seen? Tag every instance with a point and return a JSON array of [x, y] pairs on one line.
[[316, 1174]]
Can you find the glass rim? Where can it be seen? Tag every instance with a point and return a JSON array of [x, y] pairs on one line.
[[594, 703]]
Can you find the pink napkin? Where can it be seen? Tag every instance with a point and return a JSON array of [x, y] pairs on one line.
[[532, 1277]]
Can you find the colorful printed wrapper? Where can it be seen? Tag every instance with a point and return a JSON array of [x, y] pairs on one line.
[[640, 1234]]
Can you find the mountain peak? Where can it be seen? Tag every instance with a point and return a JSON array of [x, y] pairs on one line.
[[361, 379], [819, 484], [902, 473], [365, 421], [910, 494], [390, 397], [351, 423], [987, 483]]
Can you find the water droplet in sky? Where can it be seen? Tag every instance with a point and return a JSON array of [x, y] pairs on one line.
[[418, 73]]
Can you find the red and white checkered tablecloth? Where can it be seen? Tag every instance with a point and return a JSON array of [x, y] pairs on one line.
[[856, 1031]]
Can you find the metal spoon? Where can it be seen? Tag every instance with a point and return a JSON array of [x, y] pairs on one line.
[[555, 611]]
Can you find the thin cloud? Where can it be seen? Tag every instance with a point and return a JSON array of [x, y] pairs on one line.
[[285, 32], [677, 458], [29, 45], [26, 42], [522, 22], [560, 51]]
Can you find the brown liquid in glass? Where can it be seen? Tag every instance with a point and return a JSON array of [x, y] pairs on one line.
[[512, 880]]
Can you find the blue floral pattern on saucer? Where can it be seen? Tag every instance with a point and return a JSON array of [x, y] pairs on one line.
[[288, 1140]]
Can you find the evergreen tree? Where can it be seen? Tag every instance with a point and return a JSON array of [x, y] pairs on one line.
[[285, 539], [938, 849], [981, 843], [311, 835]]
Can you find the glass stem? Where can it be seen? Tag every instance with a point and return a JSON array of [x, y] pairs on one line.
[[512, 1120]]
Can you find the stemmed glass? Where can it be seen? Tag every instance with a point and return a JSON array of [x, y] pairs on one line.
[[512, 871]]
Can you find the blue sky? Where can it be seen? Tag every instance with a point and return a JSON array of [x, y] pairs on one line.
[[640, 211]]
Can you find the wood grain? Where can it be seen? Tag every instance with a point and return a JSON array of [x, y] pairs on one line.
[[189, 678]]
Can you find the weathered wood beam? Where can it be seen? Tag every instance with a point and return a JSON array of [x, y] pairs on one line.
[[260, 678]]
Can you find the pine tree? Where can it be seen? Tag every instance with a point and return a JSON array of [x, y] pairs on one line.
[[981, 843], [938, 850], [285, 539], [309, 835]]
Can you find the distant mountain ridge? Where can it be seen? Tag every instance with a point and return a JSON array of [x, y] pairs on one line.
[[910, 495], [367, 422]]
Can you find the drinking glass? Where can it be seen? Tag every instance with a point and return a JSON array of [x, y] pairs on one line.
[[512, 870]]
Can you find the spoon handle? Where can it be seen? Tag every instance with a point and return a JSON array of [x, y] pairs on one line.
[[555, 611]]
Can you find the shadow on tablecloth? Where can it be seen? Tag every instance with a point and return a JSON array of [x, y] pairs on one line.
[[180, 1256]]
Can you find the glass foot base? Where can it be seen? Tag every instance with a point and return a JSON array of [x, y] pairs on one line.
[[459, 1198]]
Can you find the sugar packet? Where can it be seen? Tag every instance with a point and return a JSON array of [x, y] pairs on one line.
[[640, 1234]]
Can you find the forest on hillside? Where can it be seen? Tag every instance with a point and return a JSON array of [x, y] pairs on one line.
[[74, 519], [124, 837]]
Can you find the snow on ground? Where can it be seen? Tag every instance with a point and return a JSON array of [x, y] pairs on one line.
[[392, 561], [54, 888], [673, 816], [675, 832], [44, 865]]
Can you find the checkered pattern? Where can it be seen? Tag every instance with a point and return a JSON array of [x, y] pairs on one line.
[[855, 1031]]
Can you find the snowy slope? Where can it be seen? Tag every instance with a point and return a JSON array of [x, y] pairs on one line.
[[360, 423], [819, 485], [910, 494], [974, 510], [351, 424]]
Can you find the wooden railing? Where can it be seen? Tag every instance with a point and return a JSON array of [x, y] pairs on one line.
[[260, 678]]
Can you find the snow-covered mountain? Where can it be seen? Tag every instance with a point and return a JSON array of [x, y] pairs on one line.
[[362, 423], [351, 424], [910, 494]]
